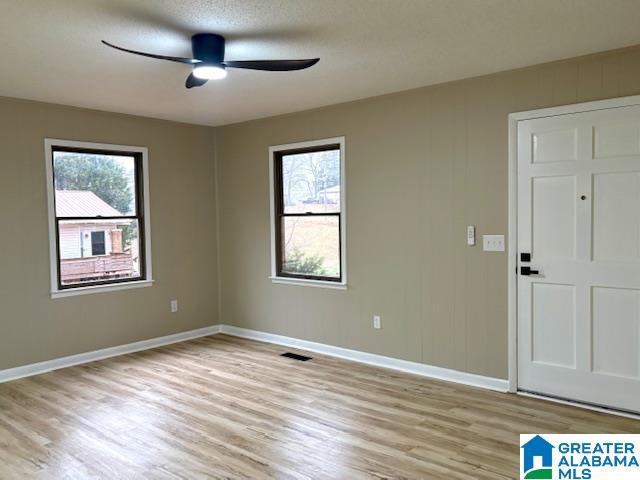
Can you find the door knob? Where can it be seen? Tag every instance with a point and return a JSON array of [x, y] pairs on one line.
[[526, 271]]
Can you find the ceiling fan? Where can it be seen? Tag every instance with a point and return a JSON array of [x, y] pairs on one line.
[[209, 64]]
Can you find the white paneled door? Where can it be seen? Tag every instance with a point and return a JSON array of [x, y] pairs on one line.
[[579, 292]]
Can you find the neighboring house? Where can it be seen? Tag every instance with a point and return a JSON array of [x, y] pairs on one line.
[[330, 195], [91, 250]]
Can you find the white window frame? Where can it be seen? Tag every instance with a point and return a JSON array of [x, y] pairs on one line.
[[49, 145], [342, 285]]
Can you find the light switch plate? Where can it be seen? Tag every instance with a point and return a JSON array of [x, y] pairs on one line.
[[471, 235], [493, 243]]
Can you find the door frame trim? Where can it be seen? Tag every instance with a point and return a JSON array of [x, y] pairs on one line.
[[512, 232]]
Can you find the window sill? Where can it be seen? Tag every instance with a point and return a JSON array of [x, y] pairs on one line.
[[72, 292], [309, 283]]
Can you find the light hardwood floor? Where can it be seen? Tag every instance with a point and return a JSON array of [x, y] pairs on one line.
[[223, 407]]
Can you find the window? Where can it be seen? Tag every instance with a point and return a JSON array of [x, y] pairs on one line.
[[99, 217], [97, 243], [308, 231]]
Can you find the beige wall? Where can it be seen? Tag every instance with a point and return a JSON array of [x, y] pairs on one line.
[[420, 166], [33, 327]]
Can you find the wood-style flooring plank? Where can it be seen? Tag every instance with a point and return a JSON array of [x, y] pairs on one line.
[[227, 408]]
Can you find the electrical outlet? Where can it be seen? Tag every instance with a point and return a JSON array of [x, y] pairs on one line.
[[377, 323], [174, 306]]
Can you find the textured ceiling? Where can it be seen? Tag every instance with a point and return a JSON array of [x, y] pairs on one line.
[[51, 51]]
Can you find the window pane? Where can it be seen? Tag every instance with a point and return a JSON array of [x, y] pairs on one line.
[[98, 246], [98, 250], [311, 246], [88, 185], [311, 182]]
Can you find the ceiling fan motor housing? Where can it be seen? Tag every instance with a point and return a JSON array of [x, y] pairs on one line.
[[208, 48]]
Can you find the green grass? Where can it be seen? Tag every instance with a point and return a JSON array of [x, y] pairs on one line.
[[540, 473]]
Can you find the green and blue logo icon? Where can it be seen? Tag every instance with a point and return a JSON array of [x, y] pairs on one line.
[[537, 459], [580, 456]]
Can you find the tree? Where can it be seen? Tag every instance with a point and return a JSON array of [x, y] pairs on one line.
[[307, 174], [101, 175], [323, 171]]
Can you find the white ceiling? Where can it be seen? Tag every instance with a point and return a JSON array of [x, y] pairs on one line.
[[51, 50]]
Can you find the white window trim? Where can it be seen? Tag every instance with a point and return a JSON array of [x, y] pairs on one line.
[[342, 285], [49, 144]]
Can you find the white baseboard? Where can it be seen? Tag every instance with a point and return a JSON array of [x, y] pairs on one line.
[[57, 363], [415, 368], [354, 355], [422, 369]]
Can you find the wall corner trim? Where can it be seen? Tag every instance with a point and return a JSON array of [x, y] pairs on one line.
[[424, 370], [86, 357]]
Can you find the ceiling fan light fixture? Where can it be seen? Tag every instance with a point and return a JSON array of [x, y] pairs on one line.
[[209, 72], [208, 62]]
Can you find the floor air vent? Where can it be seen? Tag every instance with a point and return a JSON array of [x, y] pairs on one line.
[[295, 356]]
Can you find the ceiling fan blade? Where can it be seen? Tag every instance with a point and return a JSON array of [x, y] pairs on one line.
[[189, 61], [193, 81], [273, 65]]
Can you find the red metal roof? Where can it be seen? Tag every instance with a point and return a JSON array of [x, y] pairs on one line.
[[77, 203]]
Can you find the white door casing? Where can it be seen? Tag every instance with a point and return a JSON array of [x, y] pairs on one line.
[[578, 214], [85, 239]]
